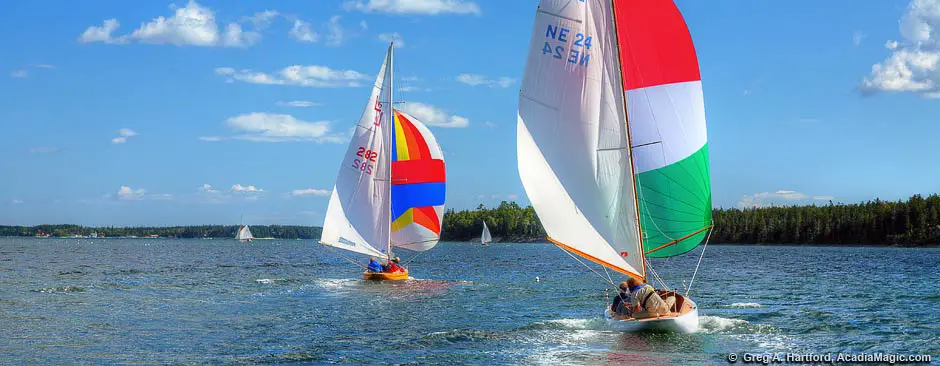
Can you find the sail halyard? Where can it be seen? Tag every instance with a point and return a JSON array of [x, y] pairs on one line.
[[626, 121]]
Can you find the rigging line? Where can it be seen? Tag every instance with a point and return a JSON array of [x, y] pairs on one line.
[[588, 267], [341, 255], [699, 262], [414, 257], [657, 277]]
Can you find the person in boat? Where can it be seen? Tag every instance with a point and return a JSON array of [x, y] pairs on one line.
[[645, 302], [374, 265], [393, 266], [621, 303]]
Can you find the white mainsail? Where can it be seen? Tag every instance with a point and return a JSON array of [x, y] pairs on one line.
[[572, 143], [486, 237], [244, 234], [358, 215]]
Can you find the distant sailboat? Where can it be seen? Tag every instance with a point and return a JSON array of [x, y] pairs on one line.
[[244, 235], [485, 237], [611, 140], [390, 188]]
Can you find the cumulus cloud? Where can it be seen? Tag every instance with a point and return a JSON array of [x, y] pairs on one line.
[[302, 32], [272, 127], [191, 25], [914, 63], [475, 80], [299, 104], [392, 37], [433, 116], [779, 198], [238, 188], [310, 192], [416, 7], [310, 75]]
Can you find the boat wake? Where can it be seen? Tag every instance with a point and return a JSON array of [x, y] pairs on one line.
[[745, 305]]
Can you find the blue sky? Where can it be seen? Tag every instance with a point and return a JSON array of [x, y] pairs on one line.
[[167, 113]]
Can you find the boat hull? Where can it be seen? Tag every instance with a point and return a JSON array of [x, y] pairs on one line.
[[383, 276], [686, 322]]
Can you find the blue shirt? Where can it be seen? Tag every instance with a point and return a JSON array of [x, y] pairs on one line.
[[374, 266]]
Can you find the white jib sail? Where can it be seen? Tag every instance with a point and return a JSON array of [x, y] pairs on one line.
[[486, 237], [357, 218], [572, 145]]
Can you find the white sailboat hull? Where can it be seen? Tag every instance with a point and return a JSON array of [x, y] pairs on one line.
[[686, 322]]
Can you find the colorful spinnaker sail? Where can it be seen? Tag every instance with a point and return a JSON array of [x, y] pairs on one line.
[[418, 185], [611, 131]]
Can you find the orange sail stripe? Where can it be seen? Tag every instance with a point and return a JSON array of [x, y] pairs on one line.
[[595, 260], [417, 147], [427, 217]]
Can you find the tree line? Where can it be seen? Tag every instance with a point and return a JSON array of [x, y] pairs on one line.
[[914, 222]]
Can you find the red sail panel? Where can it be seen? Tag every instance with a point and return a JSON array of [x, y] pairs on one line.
[[655, 44]]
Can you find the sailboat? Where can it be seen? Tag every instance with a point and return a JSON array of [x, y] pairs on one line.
[[485, 237], [611, 141], [244, 235], [390, 189]]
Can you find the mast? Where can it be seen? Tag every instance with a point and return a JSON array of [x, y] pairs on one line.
[[626, 121], [390, 128]]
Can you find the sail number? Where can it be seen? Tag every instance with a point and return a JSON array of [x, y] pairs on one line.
[[576, 54], [378, 113], [367, 155]]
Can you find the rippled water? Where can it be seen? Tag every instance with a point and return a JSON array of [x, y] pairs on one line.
[[218, 301]]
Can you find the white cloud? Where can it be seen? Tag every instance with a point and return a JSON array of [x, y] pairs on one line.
[[422, 7], [914, 64], [779, 198], [191, 25], [128, 193], [301, 31], [211, 138], [489, 124], [857, 38], [433, 116], [271, 127], [335, 34], [45, 66], [207, 188], [22, 73], [16, 201], [124, 134], [311, 75], [238, 188], [102, 33], [310, 192], [392, 37], [299, 104], [474, 80]]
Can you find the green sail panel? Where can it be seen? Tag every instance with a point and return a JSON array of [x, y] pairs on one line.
[[675, 203]]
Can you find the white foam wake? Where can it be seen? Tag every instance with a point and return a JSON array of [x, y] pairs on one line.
[[746, 305]]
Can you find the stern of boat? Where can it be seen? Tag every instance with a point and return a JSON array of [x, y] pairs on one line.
[[685, 321], [383, 276]]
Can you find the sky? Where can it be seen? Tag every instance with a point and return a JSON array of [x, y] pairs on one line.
[[217, 112]]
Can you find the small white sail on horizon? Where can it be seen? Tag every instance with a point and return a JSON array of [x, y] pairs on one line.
[[244, 234], [485, 237]]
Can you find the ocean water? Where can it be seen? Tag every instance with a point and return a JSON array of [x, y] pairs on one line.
[[106, 301]]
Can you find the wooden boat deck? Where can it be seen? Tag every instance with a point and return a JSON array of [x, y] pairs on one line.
[[682, 306]]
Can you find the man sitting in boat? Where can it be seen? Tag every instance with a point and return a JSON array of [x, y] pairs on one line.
[[374, 265], [646, 303], [621, 301], [393, 266]]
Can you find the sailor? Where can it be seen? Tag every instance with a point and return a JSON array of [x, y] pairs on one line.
[[393, 266], [621, 300], [374, 265], [646, 303]]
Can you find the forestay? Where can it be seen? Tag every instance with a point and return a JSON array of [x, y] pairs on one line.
[[358, 214], [573, 152]]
